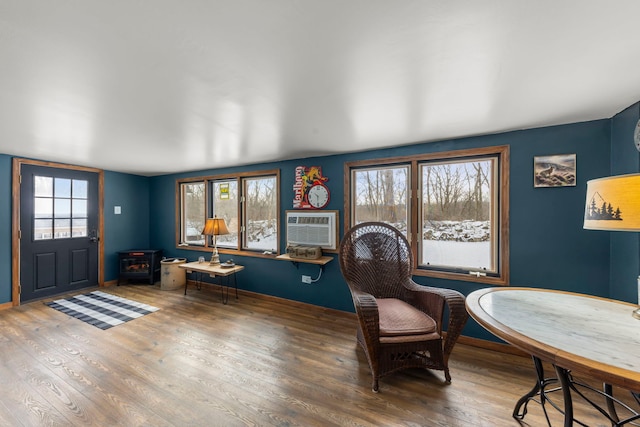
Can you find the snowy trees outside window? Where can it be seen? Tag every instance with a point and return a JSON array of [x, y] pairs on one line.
[[451, 206]]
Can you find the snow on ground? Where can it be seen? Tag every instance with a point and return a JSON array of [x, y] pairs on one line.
[[455, 243], [459, 254], [445, 243]]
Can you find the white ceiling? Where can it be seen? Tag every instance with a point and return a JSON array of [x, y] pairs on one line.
[[160, 86]]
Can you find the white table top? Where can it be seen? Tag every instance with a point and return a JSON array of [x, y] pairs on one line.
[[585, 333]]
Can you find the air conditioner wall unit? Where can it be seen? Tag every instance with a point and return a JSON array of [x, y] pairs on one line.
[[313, 228]]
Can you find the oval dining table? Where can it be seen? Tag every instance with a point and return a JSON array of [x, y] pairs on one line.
[[595, 337]]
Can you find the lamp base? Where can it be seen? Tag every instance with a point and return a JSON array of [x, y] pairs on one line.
[[215, 259], [636, 313]]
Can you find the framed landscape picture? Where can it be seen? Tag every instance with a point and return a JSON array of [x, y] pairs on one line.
[[558, 170]]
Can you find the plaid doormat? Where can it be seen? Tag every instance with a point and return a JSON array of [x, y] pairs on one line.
[[101, 309]]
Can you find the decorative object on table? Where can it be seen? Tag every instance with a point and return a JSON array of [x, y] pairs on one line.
[[558, 170], [400, 323], [613, 204], [304, 252], [310, 191], [101, 309], [215, 227], [228, 264]]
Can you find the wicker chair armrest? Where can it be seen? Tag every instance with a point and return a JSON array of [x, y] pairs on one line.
[[433, 300], [368, 316]]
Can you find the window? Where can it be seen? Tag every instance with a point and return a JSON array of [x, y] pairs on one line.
[[382, 194], [261, 213], [248, 203], [458, 204], [192, 197], [60, 208], [457, 201], [225, 205]]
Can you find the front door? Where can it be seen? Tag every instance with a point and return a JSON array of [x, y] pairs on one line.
[[59, 220]]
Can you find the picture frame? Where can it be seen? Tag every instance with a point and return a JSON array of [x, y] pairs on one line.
[[556, 170]]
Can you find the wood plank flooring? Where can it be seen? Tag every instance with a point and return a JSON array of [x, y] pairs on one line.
[[254, 362]]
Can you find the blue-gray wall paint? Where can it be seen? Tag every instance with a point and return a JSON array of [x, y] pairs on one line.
[[625, 247], [5, 228], [548, 246], [130, 229]]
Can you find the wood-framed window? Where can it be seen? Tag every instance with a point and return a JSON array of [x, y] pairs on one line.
[[452, 207], [248, 202]]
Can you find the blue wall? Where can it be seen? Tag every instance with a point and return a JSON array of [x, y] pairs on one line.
[[122, 232], [5, 228], [130, 229], [549, 248], [625, 247]]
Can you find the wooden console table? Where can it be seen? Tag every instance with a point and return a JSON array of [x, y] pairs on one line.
[[213, 271], [593, 336]]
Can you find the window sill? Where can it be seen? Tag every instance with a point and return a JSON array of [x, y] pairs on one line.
[[489, 280], [232, 252], [320, 261]]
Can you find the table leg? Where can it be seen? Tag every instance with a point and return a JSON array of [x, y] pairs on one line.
[[608, 393], [524, 400], [565, 381], [225, 298], [235, 283], [198, 281], [520, 410], [612, 413], [225, 295]]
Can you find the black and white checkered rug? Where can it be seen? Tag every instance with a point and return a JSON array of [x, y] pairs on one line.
[[101, 309]]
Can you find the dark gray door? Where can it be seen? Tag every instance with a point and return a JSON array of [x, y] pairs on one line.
[[58, 231]]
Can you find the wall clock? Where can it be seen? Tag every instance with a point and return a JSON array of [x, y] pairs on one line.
[[636, 135], [318, 196]]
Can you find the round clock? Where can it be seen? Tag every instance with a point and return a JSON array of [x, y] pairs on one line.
[[318, 196], [636, 135]]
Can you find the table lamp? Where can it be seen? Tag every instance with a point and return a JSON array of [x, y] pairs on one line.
[[215, 227], [613, 203]]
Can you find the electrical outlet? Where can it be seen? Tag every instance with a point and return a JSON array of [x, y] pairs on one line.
[[306, 279]]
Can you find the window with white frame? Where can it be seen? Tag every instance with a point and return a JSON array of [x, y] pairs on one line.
[[456, 217]]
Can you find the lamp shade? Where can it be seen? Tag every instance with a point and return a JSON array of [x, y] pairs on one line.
[[215, 227], [613, 203]]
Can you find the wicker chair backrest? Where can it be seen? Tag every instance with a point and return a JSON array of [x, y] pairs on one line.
[[376, 258]]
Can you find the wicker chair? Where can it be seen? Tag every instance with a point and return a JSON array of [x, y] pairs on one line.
[[400, 323]]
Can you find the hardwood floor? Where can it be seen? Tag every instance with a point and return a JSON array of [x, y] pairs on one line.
[[256, 361]]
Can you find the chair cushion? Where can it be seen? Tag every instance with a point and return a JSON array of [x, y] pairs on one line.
[[397, 318]]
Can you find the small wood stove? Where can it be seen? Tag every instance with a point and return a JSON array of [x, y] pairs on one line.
[[139, 265]]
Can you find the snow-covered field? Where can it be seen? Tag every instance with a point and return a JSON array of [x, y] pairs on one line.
[[455, 243], [445, 243], [459, 254]]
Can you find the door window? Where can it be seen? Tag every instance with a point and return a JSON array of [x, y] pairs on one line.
[[60, 208]]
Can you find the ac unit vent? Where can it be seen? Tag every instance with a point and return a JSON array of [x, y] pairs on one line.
[[312, 229]]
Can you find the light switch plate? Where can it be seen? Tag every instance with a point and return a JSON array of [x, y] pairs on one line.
[[117, 210]]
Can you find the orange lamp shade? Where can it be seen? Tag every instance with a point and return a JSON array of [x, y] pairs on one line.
[[613, 203]]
